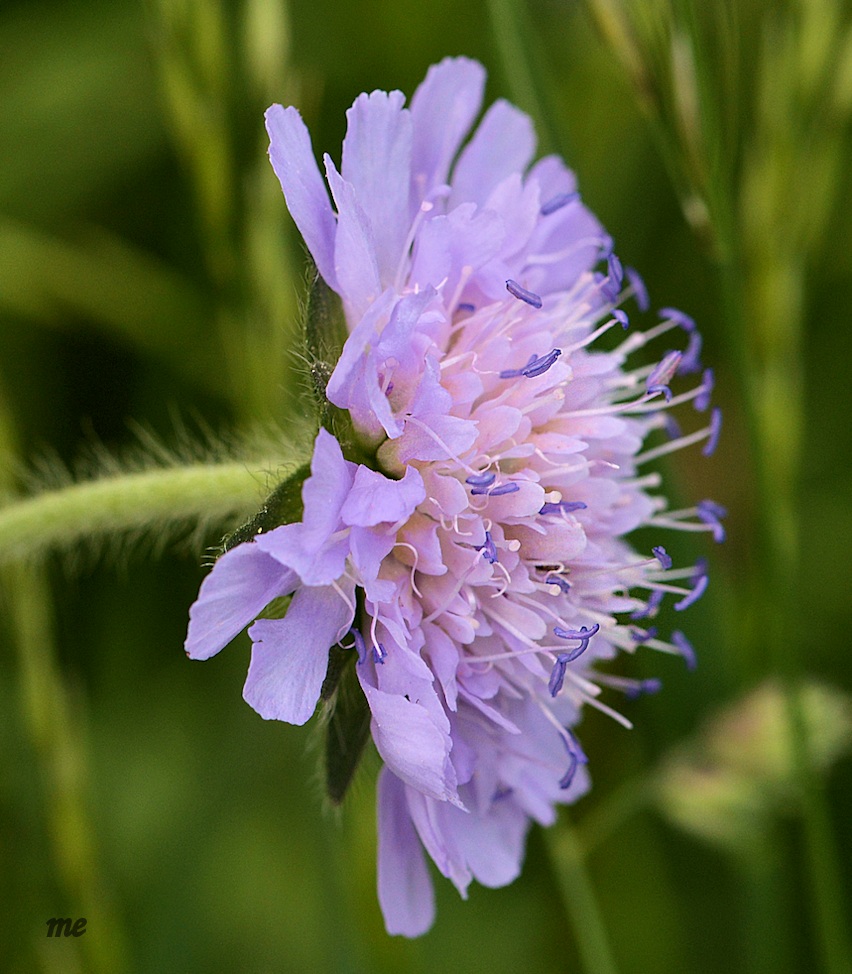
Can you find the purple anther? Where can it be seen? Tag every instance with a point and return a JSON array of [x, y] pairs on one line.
[[640, 292], [481, 479], [536, 365], [501, 792], [503, 489], [678, 317], [389, 389], [662, 556], [673, 430], [686, 650], [662, 374], [700, 587], [554, 579], [691, 359], [715, 429], [702, 400], [379, 653], [621, 317], [557, 674], [576, 756], [563, 507], [712, 513], [643, 635], [359, 645], [643, 687], [466, 306], [557, 202], [568, 777], [489, 549], [615, 270], [542, 364], [650, 609], [522, 294], [583, 634]]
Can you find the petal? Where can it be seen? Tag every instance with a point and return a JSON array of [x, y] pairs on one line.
[[491, 844], [443, 109], [375, 499], [354, 383], [406, 895], [242, 583], [354, 247], [504, 143], [411, 744], [377, 163], [290, 656], [292, 158], [305, 546]]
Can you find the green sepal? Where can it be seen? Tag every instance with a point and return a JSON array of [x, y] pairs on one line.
[[283, 506], [347, 727], [325, 335]]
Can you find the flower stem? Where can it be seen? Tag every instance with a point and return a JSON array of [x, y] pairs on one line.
[[579, 899], [131, 502]]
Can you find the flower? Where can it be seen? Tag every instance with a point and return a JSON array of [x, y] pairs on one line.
[[472, 549]]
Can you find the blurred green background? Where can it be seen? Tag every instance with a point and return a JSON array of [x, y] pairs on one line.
[[149, 275]]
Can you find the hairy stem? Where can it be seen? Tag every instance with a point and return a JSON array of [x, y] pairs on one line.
[[131, 502]]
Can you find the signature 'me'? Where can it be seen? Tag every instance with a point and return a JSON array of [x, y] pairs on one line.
[[61, 927]]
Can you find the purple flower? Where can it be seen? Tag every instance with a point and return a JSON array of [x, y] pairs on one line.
[[505, 469]]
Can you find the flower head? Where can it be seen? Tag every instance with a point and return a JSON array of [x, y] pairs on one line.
[[472, 552]]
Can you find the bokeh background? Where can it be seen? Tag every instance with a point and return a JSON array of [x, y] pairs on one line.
[[150, 283]]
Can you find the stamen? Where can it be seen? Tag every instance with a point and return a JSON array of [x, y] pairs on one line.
[[637, 285], [643, 687], [379, 653], [711, 513], [643, 635], [576, 757], [522, 294], [615, 270], [700, 587], [650, 608], [557, 674], [678, 317], [705, 433], [702, 401], [466, 306], [658, 380], [630, 688], [566, 507], [481, 479], [557, 202], [621, 317], [672, 427], [537, 365], [489, 549], [662, 556], [583, 634], [554, 579], [715, 429], [510, 488], [359, 645], [686, 650], [691, 361]]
